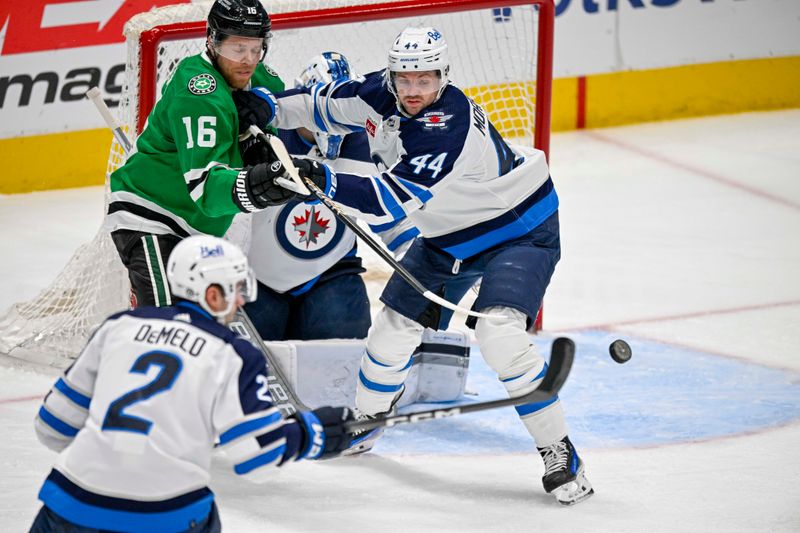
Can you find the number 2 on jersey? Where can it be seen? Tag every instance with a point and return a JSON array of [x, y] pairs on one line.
[[206, 134], [116, 419]]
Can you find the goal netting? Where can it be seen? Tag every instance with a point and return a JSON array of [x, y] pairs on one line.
[[501, 55]]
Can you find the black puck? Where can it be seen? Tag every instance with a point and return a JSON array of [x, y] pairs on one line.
[[620, 351]]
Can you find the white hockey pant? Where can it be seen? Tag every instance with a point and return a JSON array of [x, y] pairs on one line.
[[507, 349], [386, 361]]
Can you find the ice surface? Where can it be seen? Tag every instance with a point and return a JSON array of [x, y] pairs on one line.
[[683, 237]]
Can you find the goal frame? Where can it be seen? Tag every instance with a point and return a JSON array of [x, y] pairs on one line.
[[150, 40]]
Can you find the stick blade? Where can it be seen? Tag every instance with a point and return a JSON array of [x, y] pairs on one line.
[[562, 354]]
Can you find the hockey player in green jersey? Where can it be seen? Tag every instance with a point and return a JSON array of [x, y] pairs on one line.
[[187, 175]]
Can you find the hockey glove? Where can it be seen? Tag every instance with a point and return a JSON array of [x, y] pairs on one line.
[[325, 434], [255, 107], [255, 187], [318, 173], [255, 151]]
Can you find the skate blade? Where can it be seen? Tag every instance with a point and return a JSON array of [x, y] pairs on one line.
[[364, 443], [574, 492]]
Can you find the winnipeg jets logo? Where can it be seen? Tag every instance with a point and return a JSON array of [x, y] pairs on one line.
[[434, 119], [307, 231], [310, 226]]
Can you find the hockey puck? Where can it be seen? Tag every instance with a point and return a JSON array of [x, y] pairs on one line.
[[620, 351]]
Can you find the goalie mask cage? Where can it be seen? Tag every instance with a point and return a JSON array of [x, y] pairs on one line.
[[500, 55]]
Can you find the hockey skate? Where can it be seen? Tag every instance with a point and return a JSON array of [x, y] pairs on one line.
[[564, 475], [365, 440]]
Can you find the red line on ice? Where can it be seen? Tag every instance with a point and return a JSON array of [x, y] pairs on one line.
[[20, 400], [684, 316], [694, 170]]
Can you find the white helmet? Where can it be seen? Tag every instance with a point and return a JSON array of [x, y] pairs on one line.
[[325, 68], [198, 262], [419, 50]]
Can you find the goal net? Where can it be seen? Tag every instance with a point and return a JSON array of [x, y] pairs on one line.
[[500, 53]]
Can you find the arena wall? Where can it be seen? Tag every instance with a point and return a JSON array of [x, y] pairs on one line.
[[616, 62]]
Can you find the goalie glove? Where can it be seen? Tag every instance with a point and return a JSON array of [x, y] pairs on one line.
[[325, 433], [256, 107], [255, 187]]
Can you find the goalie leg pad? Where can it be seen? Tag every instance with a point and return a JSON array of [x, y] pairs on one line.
[[507, 349], [386, 361]]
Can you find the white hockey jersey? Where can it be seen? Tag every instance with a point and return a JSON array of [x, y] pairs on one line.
[[138, 413], [292, 245], [448, 170]]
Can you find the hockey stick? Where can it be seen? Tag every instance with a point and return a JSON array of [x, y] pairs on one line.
[[561, 356], [282, 394], [93, 94], [280, 151]]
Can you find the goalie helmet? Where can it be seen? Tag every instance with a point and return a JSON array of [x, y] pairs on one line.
[[419, 50], [243, 18], [201, 261], [325, 68]]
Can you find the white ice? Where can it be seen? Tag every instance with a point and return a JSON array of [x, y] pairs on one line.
[[683, 234]]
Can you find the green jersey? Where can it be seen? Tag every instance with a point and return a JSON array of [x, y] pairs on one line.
[[180, 178]]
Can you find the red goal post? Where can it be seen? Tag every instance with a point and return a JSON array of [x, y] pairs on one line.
[[151, 39]]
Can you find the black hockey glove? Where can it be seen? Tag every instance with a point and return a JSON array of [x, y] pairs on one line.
[[255, 187], [325, 433], [255, 107], [308, 168], [255, 151]]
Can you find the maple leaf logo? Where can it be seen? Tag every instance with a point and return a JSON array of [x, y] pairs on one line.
[[310, 226]]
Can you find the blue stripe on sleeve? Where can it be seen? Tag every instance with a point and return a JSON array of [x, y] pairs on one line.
[[72, 394], [423, 194], [371, 385], [332, 120], [248, 427], [259, 460], [56, 423], [317, 116], [392, 207], [377, 228], [404, 237]]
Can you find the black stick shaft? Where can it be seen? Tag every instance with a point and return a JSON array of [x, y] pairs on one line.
[[365, 237]]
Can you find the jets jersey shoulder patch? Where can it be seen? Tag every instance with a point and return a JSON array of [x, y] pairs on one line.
[[202, 84]]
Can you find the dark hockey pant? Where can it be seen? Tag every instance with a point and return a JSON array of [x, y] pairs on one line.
[[145, 256]]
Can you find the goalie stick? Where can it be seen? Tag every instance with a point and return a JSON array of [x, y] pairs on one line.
[[283, 396], [305, 185], [562, 354]]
